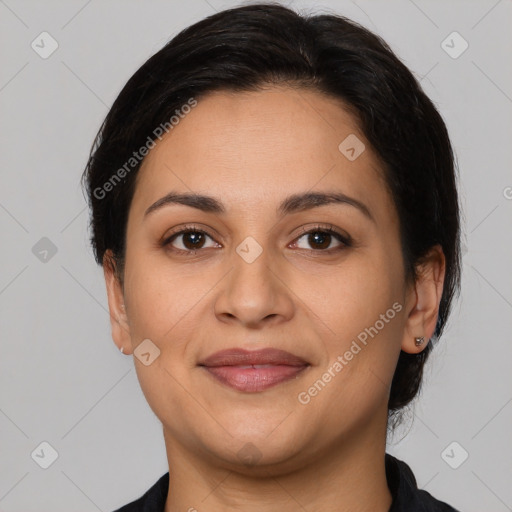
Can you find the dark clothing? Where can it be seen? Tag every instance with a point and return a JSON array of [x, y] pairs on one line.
[[401, 482], [406, 495]]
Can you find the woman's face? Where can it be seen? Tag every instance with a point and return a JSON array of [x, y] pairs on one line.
[[258, 280]]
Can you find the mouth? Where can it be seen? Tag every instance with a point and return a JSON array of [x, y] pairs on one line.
[[253, 371]]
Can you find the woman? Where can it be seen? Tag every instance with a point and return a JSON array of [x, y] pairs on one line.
[[274, 205]]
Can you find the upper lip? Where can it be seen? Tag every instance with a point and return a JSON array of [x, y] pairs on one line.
[[241, 357]]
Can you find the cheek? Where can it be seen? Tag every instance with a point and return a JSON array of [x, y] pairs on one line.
[[365, 313], [163, 308], [354, 295], [162, 298]]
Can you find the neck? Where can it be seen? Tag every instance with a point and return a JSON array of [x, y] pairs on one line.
[[349, 475]]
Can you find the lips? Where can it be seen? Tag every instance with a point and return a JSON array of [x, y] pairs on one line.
[[253, 371], [240, 357]]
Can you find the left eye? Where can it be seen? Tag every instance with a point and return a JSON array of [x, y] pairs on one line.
[[323, 238]]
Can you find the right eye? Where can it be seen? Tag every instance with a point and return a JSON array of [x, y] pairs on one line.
[[192, 239]]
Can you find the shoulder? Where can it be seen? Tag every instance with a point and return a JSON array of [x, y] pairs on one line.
[[153, 499], [404, 489]]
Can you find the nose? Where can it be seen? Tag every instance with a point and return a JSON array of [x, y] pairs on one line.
[[255, 292]]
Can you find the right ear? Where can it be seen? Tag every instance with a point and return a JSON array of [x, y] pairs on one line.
[[116, 306]]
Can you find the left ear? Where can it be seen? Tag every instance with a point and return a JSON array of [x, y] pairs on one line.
[[424, 298]]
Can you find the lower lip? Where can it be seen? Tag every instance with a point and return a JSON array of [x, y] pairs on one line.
[[254, 379]]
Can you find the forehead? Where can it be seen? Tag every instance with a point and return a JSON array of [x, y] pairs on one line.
[[251, 146]]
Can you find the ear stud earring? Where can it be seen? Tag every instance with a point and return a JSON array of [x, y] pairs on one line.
[[419, 341]]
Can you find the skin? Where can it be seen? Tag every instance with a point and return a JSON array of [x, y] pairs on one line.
[[251, 150]]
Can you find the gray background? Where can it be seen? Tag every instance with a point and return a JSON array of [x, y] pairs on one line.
[[61, 378]]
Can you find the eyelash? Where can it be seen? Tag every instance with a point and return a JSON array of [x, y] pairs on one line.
[[345, 240]]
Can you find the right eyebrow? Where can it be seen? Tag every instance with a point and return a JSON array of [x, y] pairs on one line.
[[201, 202]]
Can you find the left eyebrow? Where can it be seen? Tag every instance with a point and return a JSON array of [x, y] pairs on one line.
[[291, 204], [309, 200]]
